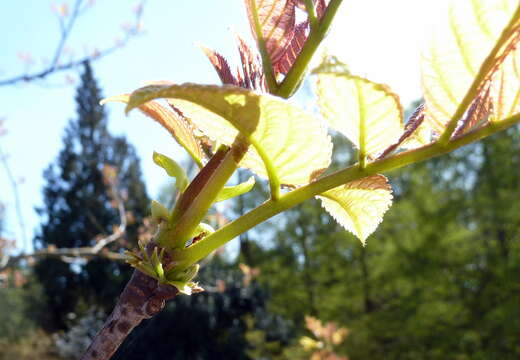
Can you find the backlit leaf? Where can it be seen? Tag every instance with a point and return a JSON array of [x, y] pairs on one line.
[[221, 66], [175, 124], [172, 169], [456, 53], [505, 87], [368, 114], [159, 211], [252, 73], [287, 143], [229, 192], [272, 21], [286, 61], [359, 205]]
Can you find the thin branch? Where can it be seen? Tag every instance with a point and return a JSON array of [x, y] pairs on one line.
[[270, 208], [66, 30], [68, 255], [86, 252]]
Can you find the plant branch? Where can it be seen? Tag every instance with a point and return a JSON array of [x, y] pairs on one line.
[[65, 254], [485, 71], [142, 298], [295, 76], [85, 252], [270, 208], [311, 13], [66, 29], [200, 195]]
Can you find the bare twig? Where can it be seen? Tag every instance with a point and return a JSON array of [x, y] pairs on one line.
[[66, 28], [65, 254], [86, 252]]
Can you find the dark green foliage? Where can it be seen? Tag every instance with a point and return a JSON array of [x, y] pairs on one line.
[[24, 304], [77, 208]]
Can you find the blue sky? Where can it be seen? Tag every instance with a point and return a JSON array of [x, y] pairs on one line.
[[377, 38]]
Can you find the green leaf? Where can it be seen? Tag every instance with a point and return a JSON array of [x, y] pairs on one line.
[[359, 205], [289, 146], [368, 114], [159, 211], [229, 192], [172, 169], [457, 52], [176, 125]]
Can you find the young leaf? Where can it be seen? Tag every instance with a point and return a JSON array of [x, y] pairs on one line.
[[173, 169], [368, 114], [159, 211], [457, 52], [416, 133], [252, 73], [359, 205], [288, 145], [229, 192], [505, 87], [221, 66], [286, 61], [175, 124], [272, 24]]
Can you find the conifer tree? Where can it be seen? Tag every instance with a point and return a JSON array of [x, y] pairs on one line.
[[78, 207]]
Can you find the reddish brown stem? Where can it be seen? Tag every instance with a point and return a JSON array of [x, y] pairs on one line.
[[142, 298]]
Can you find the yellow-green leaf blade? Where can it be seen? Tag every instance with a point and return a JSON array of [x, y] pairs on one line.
[[285, 139], [368, 114], [456, 53], [229, 192], [172, 169], [505, 87], [359, 205], [176, 126]]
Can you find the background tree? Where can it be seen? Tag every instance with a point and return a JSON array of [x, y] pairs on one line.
[[437, 281], [79, 206]]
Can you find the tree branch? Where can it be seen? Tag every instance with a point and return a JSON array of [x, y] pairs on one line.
[[66, 29], [85, 252]]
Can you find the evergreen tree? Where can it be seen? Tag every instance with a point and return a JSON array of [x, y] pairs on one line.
[[78, 207]]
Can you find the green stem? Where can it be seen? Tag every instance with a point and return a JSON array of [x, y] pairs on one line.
[[274, 181], [267, 66], [199, 196], [270, 208], [295, 76], [362, 131], [311, 13], [482, 75]]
